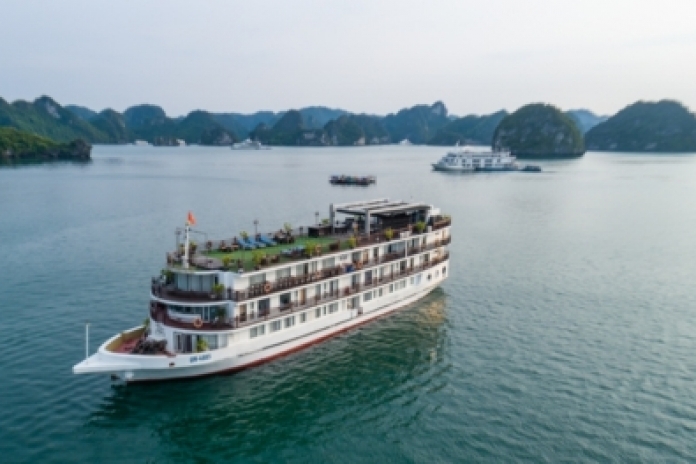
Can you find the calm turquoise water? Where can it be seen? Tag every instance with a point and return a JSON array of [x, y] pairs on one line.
[[567, 331]]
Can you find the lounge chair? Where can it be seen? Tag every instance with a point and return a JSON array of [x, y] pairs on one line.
[[247, 244], [255, 243], [266, 241]]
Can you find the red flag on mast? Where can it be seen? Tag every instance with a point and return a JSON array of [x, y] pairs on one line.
[[191, 220]]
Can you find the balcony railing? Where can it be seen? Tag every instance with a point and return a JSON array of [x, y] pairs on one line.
[[161, 315], [287, 283]]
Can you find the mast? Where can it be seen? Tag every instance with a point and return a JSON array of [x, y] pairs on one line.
[[186, 246]]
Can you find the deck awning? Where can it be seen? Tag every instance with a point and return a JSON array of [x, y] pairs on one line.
[[383, 207]]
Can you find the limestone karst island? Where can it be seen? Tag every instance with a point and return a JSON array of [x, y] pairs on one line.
[[45, 130]]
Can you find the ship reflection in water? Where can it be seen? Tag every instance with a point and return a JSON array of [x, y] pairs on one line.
[[336, 385]]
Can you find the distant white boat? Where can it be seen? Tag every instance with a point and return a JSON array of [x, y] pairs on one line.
[[405, 142], [181, 143], [141, 143], [249, 144], [465, 159]]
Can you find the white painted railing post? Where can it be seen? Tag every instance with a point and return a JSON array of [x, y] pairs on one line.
[[87, 340]]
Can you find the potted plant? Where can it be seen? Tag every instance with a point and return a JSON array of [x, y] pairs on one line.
[[226, 261], [221, 313], [419, 226], [352, 242], [389, 233], [168, 276], [257, 257], [309, 249], [201, 345], [218, 290]]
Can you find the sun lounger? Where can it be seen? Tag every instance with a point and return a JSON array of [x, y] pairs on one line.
[[267, 241], [256, 244], [247, 244]]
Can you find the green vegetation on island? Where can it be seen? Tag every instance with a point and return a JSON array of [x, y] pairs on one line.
[[469, 130], [663, 126], [19, 146], [418, 124], [539, 131], [536, 130]]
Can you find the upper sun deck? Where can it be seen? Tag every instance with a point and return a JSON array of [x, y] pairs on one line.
[[363, 224]]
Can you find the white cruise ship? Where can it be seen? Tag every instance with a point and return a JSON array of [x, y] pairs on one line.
[[465, 159], [249, 144], [213, 310]]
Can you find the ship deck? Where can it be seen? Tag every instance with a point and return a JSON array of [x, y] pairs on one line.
[[228, 255]]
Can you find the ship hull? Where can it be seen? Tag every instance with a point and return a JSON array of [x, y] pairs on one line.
[[240, 356]]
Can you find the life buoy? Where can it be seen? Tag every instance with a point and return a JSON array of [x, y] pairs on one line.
[[267, 287], [358, 265], [198, 322]]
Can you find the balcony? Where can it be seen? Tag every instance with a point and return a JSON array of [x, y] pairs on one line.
[[160, 314]]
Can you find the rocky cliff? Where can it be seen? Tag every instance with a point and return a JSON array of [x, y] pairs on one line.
[[539, 131], [664, 126], [18, 146]]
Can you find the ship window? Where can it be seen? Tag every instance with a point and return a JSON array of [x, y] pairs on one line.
[[391, 288], [444, 271], [367, 296], [257, 331], [210, 340], [289, 321], [380, 292], [285, 298], [275, 326], [303, 317], [333, 307], [317, 312]]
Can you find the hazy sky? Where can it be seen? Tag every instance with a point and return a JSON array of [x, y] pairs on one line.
[[363, 56]]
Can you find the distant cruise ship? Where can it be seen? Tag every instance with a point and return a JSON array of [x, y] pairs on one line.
[[249, 144], [212, 310], [464, 159]]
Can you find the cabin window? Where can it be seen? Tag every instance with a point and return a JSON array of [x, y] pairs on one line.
[[303, 317], [391, 288], [264, 306], [317, 312], [210, 340], [333, 307], [289, 321], [194, 283], [257, 279], [285, 298], [367, 296], [444, 271], [282, 273], [257, 331], [275, 326], [380, 292]]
